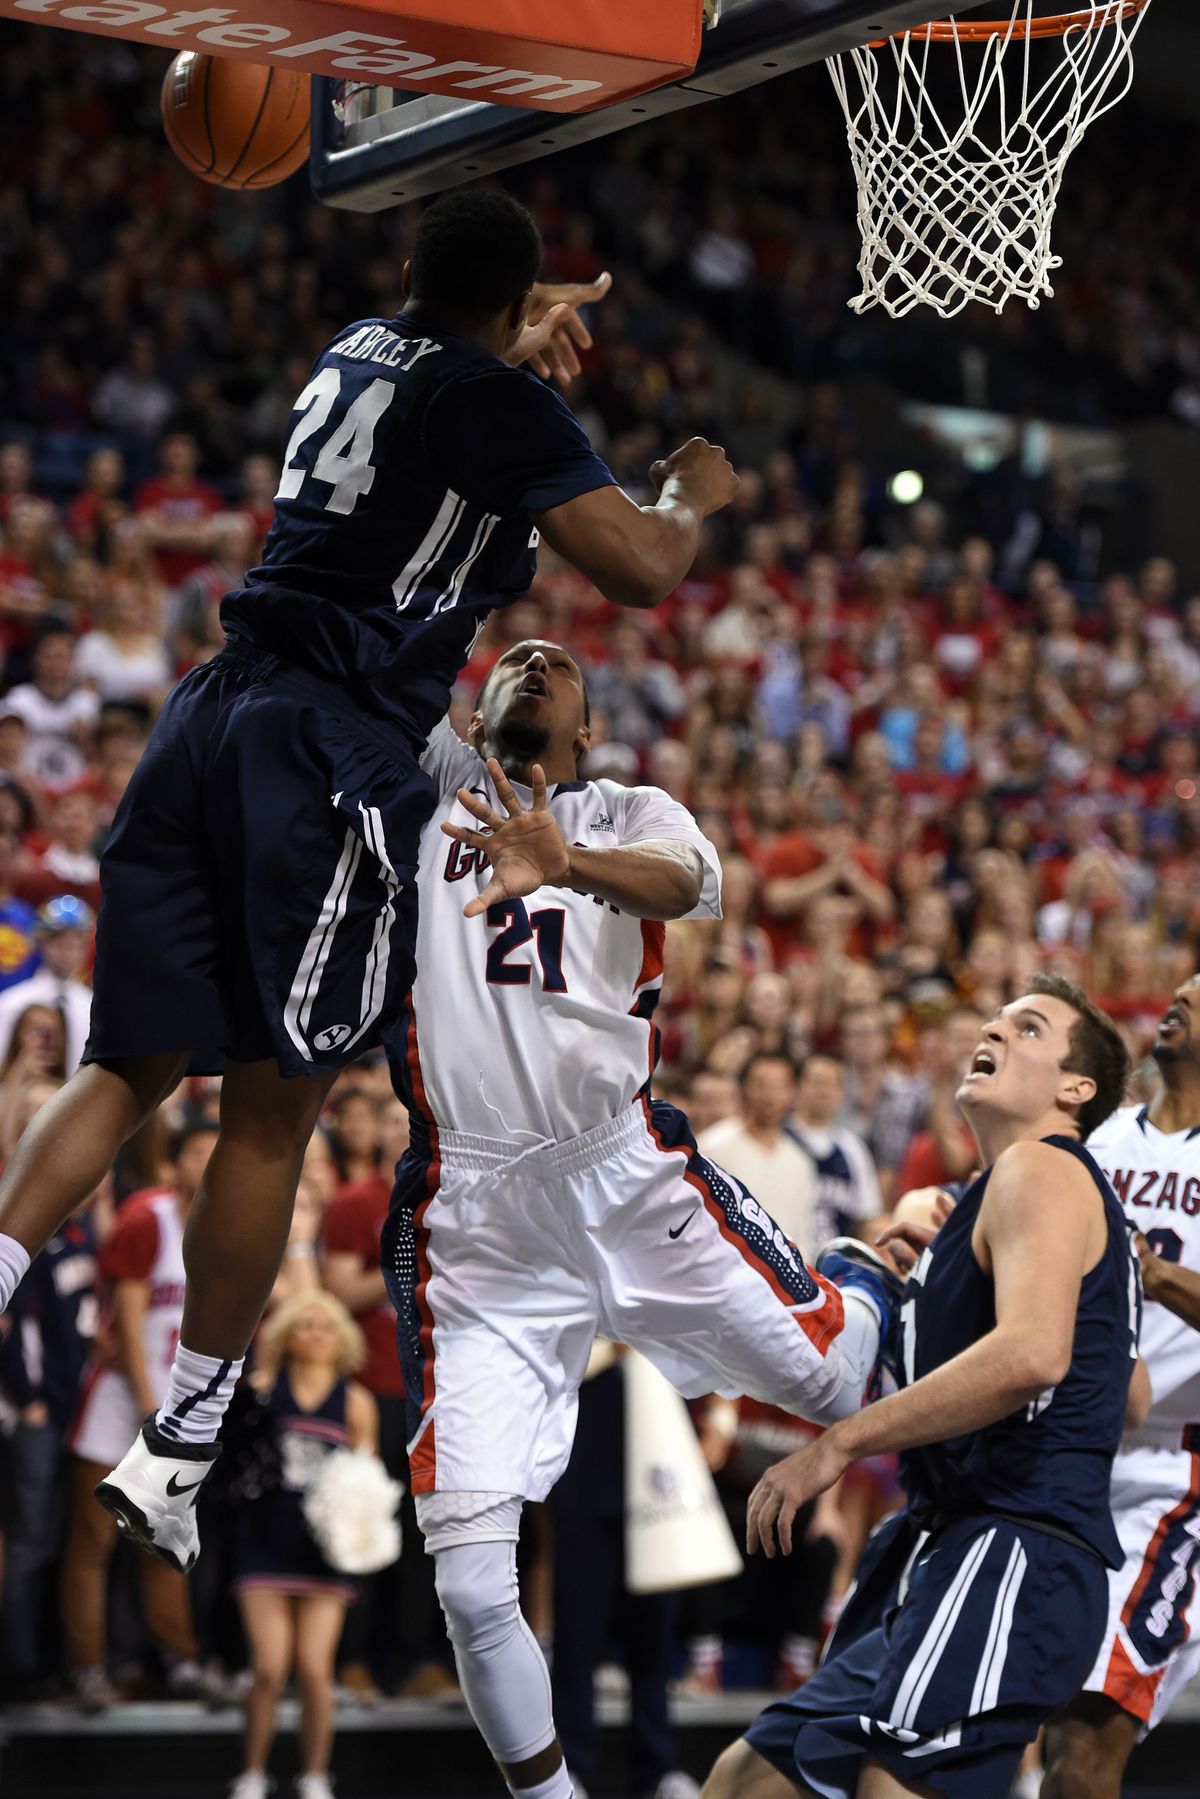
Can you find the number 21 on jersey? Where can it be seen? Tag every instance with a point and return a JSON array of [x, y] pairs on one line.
[[518, 928]]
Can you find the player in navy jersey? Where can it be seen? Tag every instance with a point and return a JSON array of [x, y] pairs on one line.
[[259, 886], [979, 1608]]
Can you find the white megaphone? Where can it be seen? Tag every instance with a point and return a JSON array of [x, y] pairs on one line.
[[676, 1534]]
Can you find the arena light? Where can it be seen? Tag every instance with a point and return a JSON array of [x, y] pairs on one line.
[[906, 487]]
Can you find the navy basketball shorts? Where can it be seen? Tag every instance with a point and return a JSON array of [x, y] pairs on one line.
[[952, 1651], [259, 894]]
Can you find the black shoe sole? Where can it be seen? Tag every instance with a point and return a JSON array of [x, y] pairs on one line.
[[133, 1523]]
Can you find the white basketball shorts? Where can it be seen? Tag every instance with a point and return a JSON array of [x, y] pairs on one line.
[[1151, 1649], [505, 1264]]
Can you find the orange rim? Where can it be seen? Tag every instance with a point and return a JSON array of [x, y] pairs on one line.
[[972, 31]]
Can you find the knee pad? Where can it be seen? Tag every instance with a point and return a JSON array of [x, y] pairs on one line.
[[477, 1587]]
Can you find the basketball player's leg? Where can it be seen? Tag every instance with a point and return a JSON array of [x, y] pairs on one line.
[[878, 1783], [740, 1772], [501, 1669], [1087, 1748], [155, 998], [239, 1220], [69, 1148], [708, 1287], [495, 1328]]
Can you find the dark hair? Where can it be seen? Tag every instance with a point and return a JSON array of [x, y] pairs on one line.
[[767, 1055], [474, 253], [53, 627], [1094, 1048], [194, 1126]]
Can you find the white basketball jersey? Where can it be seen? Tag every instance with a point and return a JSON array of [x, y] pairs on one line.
[[534, 1021], [1156, 1175]]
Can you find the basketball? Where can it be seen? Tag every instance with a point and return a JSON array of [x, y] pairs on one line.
[[233, 123]]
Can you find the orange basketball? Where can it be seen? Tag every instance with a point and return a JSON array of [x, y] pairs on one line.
[[233, 123]]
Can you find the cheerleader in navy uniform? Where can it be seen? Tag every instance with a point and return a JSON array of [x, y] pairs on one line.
[[293, 1602]]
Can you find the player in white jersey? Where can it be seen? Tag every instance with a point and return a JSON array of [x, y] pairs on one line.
[[1151, 1649], [547, 1199]]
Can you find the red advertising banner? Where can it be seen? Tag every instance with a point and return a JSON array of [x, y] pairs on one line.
[[560, 55]]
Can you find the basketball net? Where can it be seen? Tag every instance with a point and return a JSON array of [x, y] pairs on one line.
[[956, 197]]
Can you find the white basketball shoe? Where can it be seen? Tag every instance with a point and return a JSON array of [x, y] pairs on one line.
[[152, 1494]]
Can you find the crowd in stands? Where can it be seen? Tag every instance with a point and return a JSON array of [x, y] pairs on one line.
[[932, 761]]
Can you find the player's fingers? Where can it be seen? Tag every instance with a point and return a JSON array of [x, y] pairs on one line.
[[478, 808], [492, 893], [540, 366], [508, 798], [476, 840], [783, 1525], [537, 778], [574, 327]]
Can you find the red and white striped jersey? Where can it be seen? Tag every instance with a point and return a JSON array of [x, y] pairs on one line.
[[1156, 1175], [535, 1021]]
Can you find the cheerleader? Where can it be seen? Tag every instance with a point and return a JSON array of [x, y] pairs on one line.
[[293, 1602]]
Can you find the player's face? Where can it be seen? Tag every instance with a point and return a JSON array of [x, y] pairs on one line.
[[1016, 1071], [1178, 1035], [535, 693]]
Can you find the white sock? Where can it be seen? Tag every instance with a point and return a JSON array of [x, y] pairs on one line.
[[557, 1787], [14, 1266], [200, 1389]]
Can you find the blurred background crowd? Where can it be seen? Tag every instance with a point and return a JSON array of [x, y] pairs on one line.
[[938, 746]]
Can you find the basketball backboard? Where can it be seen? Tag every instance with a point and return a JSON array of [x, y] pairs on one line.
[[374, 147]]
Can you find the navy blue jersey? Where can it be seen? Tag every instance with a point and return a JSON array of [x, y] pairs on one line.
[[1051, 1461], [404, 512]]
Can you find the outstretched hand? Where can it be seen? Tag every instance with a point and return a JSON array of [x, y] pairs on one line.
[[787, 1486], [554, 332], [526, 849]]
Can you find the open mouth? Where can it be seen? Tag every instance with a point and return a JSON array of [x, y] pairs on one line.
[[535, 684], [983, 1063], [1172, 1020]]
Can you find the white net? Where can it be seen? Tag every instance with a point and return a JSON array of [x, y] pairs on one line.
[[959, 142]]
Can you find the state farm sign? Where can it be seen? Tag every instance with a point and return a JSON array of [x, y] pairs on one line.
[[540, 53]]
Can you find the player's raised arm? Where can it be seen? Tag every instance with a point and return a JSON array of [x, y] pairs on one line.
[[1037, 1256], [528, 851], [637, 555]]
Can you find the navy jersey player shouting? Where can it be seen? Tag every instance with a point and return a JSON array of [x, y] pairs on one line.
[[259, 902], [978, 1609]]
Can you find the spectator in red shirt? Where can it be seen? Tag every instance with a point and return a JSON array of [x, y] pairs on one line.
[[176, 507], [824, 859]]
